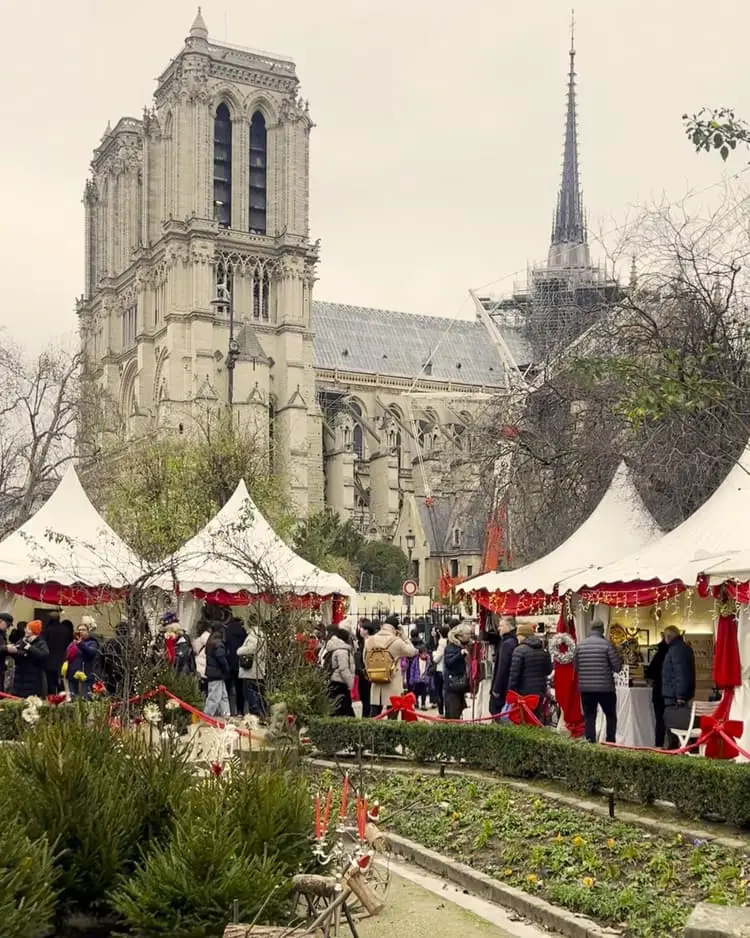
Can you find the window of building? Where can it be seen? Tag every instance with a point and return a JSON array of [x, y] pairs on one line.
[[358, 442], [223, 167], [223, 285], [469, 570], [129, 324], [258, 173], [261, 291], [456, 537], [454, 568]]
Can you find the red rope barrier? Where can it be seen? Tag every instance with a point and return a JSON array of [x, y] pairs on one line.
[[188, 708]]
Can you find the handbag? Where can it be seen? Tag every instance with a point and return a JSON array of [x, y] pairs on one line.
[[456, 683]]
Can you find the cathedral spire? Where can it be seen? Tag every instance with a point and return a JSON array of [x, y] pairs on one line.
[[569, 225], [198, 29]]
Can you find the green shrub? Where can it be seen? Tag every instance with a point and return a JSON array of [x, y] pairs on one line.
[[27, 875], [241, 836], [697, 787], [305, 693], [271, 810], [186, 889], [12, 724], [96, 796]]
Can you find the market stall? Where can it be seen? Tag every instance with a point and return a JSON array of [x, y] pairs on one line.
[[663, 583], [238, 559], [620, 523], [66, 554]]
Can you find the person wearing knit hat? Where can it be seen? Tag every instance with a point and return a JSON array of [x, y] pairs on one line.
[[30, 656], [530, 666]]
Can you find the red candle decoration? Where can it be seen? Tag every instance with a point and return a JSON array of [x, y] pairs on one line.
[[362, 819], [344, 799], [317, 818], [327, 811]]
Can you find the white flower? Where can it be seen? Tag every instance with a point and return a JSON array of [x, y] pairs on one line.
[[250, 722], [34, 703], [152, 714], [30, 715], [172, 704]]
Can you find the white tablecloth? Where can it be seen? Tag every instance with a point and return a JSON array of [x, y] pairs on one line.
[[635, 718]]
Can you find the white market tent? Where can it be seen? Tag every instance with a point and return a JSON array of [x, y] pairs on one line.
[[711, 536], [619, 524], [238, 552], [67, 553]]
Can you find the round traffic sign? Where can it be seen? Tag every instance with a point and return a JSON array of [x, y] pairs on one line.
[[410, 588]]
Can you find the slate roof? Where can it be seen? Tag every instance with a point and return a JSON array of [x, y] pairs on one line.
[[380, 341], [439, 521]]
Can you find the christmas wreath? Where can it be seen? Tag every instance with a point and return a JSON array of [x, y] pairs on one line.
[[562, 647]]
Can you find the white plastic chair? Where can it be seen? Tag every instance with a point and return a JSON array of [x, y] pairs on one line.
[[698, 709]]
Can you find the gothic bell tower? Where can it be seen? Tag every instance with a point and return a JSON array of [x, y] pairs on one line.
[[199, 266]]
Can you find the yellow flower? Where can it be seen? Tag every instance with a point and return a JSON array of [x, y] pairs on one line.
[[507, 872], [611, 843], [532, 878], [455, 816], [588, 882], [79, 676], [64, 669], [578, 841]]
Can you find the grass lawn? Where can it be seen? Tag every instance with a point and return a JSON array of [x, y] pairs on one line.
[[616, 873]]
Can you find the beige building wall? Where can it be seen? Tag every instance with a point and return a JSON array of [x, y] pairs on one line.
[[160, 257]]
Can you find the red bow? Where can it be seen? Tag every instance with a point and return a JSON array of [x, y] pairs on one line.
[[405, 706], [719, 735], [522, 708]]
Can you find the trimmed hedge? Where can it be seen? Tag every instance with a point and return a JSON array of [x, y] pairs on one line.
[[697, 787], [12, 725]]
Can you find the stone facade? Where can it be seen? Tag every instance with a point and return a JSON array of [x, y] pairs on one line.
[[197, 223]]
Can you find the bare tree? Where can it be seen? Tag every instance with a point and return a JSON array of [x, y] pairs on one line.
[[661, 379], [39, 399]]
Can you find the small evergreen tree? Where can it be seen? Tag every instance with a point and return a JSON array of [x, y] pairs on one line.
[[27, 877]]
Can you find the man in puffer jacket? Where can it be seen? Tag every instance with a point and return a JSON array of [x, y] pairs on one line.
[[338, 662], [530, 666], [597, 662], [677, 684]]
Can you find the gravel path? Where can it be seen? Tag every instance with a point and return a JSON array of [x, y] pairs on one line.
[[417, 912]]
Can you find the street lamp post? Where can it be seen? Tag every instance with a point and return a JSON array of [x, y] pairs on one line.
[[411, 543], [225, 300]]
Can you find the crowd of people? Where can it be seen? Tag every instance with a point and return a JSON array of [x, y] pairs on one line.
[[441, 665], [42, 659]]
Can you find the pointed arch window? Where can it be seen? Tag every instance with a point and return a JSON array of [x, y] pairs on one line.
[[223, 167], [261, 290], [258, 173]]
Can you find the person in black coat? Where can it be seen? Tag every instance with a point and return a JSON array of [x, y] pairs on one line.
[[58, 636], [6, 621], [653, 674], [505, 645], [597, 662], [30, 656], [455, 671], [677, 683], [234, 638], [530, 666], [217, 672]]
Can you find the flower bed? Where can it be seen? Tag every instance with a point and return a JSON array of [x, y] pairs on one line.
[[697, 787], [616, 873]]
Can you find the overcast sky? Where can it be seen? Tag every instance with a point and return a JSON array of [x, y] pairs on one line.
[[436, 155]]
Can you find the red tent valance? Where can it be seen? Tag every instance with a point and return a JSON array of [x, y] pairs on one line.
[[55, 594], [515, 604], [636, 594]]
